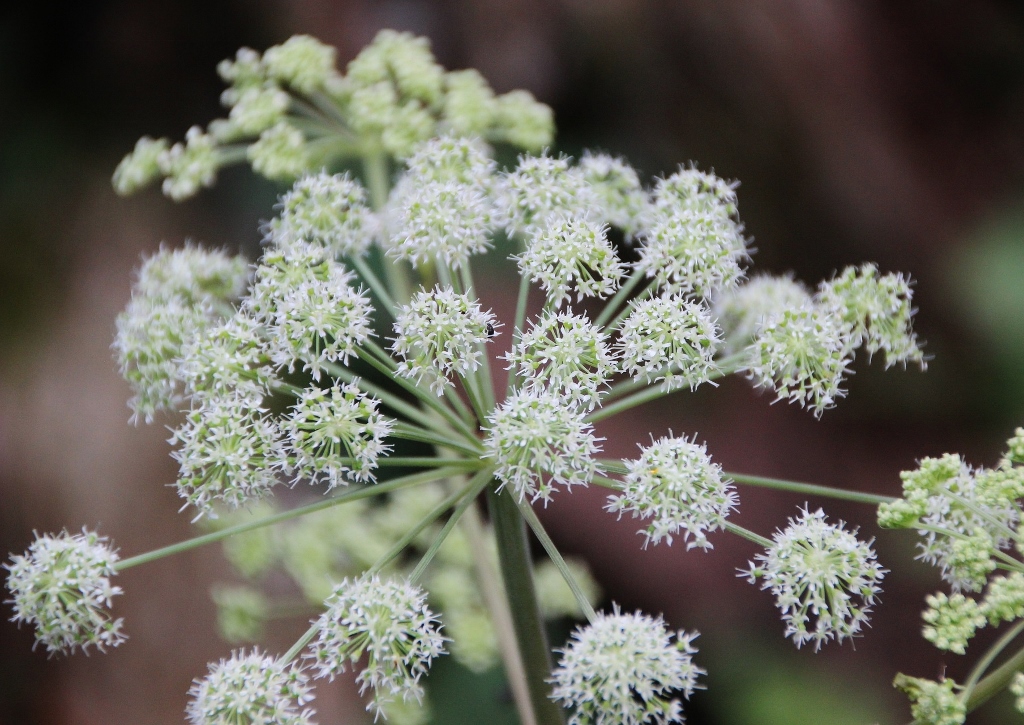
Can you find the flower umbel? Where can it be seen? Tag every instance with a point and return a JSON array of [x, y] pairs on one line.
[[676, 486], [336, 434], [61, 586], [387, 622], [623, 669], [438, 334], [538, 442], [251, 689], [824, 579]]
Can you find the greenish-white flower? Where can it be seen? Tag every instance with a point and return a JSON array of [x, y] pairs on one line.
[[335, 435], [141, 166], [439, 334], [385, 625], [565, 353], [543, 188], [803, 355], [302, 62], [523, 121], [571, 253], [671, 340], [824, 579], [190, 165], [624, 202], [877, 310], [678, 488], [280, 153], [538, 443], [742, 311], [329, 210], [61, 587], [951, 621], [229, 453], [932, 702], [310, 310], [469, 104], [252, 688], [626, 669]]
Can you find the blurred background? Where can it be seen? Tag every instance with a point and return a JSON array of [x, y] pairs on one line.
[[863, 131]]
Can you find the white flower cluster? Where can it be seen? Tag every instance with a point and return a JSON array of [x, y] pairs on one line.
[[675, 484], [178, 296], [671, 340], [388, 623], [802, 345], [393, 97], [567, 354], [309, 308], [538, 442], [625, 669], [824, 579], [438, 334], [251, 688], [335, 434], [61, 586], [326, 210]]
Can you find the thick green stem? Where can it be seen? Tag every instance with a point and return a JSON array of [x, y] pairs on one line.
[[999, 678], [375, 165], [748, 535], [517, 328], [517, 573]]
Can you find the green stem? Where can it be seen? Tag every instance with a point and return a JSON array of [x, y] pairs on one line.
[[517, 327], [413, 433], [353, 495], [556, 557], [809, 488], [626, 403], [624, 312], [424, 396], [985, 662], [301, 643], [472, 490], [385, 396], [748, 535], [375, 165], [620, 296], [999, 678], [426, 521], [517, 572], [494, 598], [375, 284]]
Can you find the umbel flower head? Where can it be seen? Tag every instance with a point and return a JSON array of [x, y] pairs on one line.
[[824, 580], [541, 188], [803, 354], [968, 514], [675, 484], [329, 210], [229, 453], [251, 689], [744, 310], [571, 253], [616, 184], [933, 702], [61, 586], [565, 353], [388, 623], [311, 311], [438, 334], [669, 339], [538, 442], [877, 311], [623, 669], [178, 295], [336, 434]]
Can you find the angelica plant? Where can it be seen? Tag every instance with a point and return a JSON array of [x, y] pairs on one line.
[[359, 338]]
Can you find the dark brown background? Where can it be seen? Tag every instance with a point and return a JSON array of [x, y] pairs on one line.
[[860, 131]]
